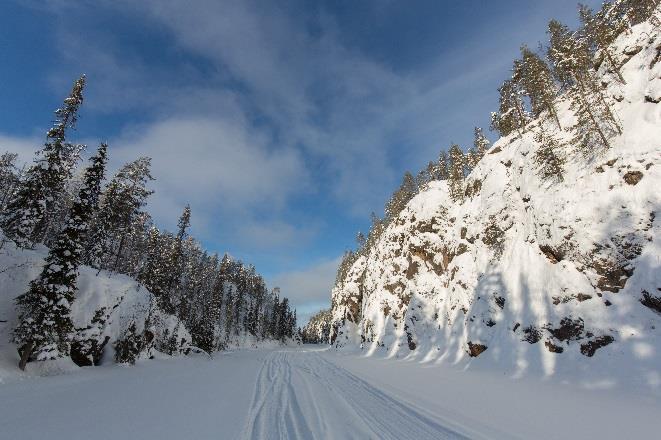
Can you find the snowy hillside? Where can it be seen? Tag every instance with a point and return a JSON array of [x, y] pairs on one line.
[[105, 307], [528, 274]]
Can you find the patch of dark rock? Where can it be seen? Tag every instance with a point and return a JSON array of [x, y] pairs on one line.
[[611, 162], [553, 255], [569, 330], [553, 348], [633, 177], [490, 323], [411, 343], [516, 326], [589, 348], [526, 199], [474, 350], [495, 150], [599, 169], [507, 164], [532, 334], [648, 166], [583, 297], [428, 226], [477, 186], [653, 302], [500, 301], [412, 269], [463, 233], [608, 303]]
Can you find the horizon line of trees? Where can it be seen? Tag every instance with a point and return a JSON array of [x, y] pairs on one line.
[[565, 69], [84, 220]]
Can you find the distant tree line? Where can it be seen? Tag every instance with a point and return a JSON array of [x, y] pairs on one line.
[[565, 69], [84, 220]]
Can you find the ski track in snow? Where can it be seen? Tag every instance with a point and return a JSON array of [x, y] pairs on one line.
[[301, 395]]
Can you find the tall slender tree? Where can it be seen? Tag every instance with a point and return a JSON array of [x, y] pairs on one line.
[[28, 214], [456, 173], [45, 329]]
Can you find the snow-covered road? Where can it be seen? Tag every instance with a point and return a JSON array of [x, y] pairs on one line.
[[313, 393], [300, 394]]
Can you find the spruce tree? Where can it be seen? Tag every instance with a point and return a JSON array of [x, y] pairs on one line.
[[456, 173], [45, 329], [27, 216]]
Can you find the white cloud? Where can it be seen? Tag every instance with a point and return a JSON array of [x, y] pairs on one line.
[[220, 166], [25, 147], [308, 289]]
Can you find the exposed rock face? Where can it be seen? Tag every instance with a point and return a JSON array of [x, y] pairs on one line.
[[521, 259], [318, 329]]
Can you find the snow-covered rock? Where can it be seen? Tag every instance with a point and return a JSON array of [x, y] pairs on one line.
[[525, 273]]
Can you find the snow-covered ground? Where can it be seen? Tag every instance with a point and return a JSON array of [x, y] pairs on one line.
[[308, 393]]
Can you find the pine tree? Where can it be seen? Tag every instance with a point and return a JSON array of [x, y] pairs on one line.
[[535, 79], [406, 191], [456, 173], [572, 67], [632, 12], [27, 216], [549, 157], [154, 273], [480, 146], [511, 115], [45, 329], [121, 204], [599, 31], [443, 165]]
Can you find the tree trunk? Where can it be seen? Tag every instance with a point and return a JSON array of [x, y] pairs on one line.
[[614, 66], [25, 355]]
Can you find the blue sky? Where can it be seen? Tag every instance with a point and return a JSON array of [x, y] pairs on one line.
[[283, 124]]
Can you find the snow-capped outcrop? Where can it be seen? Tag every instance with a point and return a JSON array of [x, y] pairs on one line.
[[529, 273]]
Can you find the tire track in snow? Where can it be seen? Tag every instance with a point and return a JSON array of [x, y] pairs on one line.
[[300, 395]]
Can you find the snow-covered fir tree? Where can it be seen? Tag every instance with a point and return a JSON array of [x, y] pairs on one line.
[[27, 216], [45, 330]]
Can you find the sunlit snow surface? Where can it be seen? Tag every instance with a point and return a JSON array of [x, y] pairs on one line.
[[304, 393]]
